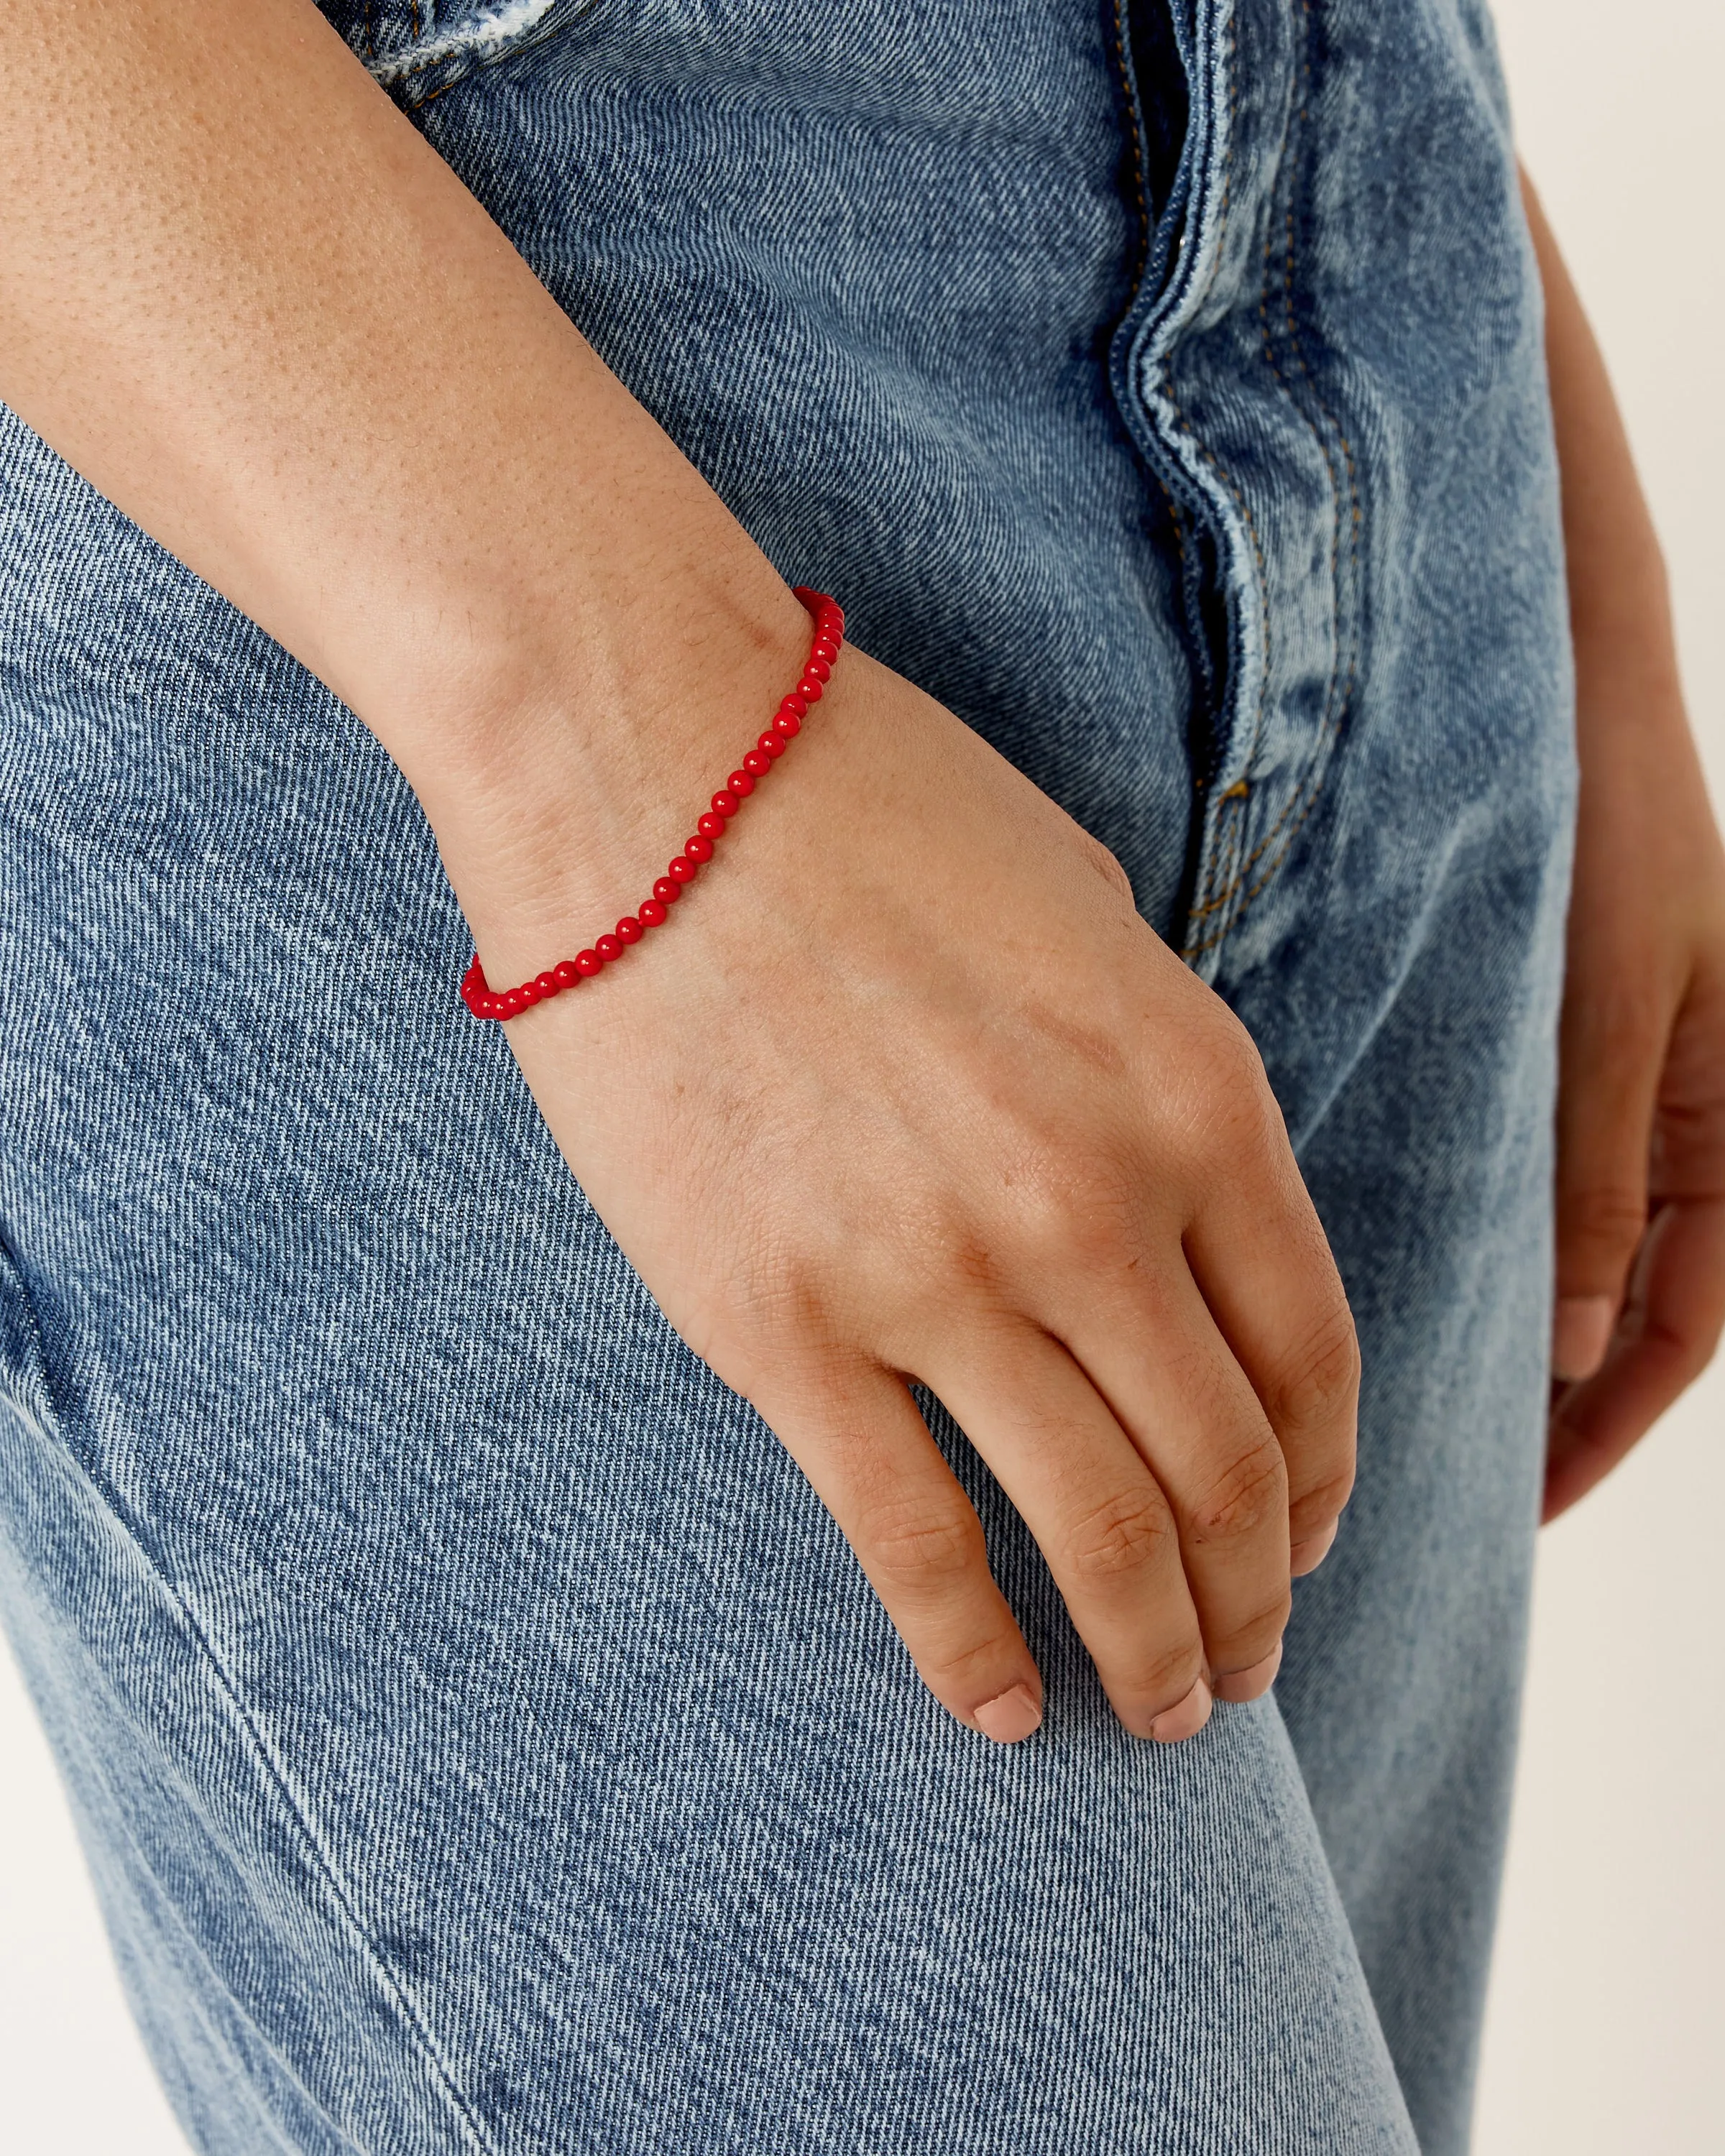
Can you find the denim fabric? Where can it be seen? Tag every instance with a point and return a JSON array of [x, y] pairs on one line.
[[482, 1738]]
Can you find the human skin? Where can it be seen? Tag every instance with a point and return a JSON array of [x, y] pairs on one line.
[[908, 1090], [1641, 1267]]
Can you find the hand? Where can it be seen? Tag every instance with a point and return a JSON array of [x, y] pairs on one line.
[[905, 1089], [908, 1089], [1641, 1105], [1640, 1217]]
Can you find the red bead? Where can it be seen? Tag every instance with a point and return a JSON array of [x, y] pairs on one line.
[[827, 618]]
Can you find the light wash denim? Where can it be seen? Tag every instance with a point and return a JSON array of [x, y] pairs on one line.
[[483, 1740]]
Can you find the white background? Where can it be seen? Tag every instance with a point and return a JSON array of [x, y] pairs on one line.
[[1610, 1996]]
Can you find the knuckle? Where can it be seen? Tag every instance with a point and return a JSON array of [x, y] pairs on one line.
[[919, 1552], [1074, 1206], [1231, 1111], [1319, 1381], [1606, 1218], [1106, 864], [1165, 1673], [766, 1320], [1240, 1644], [1321, 1502], [1090, 1225], [1244, 1495], [1687, 1348], [1222, 1050], [1123, 1537], [952, 1669]]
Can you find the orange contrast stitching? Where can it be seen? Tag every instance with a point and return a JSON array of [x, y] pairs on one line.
[[1126, 80]]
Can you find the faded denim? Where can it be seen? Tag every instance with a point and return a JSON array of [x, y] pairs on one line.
[[482, 1739]]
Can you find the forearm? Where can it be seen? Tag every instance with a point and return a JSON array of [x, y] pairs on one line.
[[241, 294], [1619, 602]]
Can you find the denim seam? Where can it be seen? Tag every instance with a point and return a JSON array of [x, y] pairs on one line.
[[1168, 442], [1305, 793], [1217, 898], [1140, 263], [1143, 255], [1224, 841], [1225, 872], [141, 1858], [442, 2075]]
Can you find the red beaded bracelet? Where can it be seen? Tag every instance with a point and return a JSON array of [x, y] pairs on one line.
[[485, 1002]]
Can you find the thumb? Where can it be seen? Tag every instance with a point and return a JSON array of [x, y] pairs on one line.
[[1606, 1100]]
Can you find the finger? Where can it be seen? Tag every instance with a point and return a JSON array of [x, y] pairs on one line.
[[1097, 1515], [1307, 1556], [1262, 1263], [1670, 1329], [1167, 1375], [1610, 1064], [859, 1438], [1253, 1683]]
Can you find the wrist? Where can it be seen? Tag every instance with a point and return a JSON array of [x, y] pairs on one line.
[[559, 783]]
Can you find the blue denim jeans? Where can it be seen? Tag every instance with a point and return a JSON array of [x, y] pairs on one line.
[[483, 1740]]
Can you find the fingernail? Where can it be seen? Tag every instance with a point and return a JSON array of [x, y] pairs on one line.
[[1580, 1334], [1009, 1718], [1176, 1723], [1242, 1685], [1309, 1555]]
